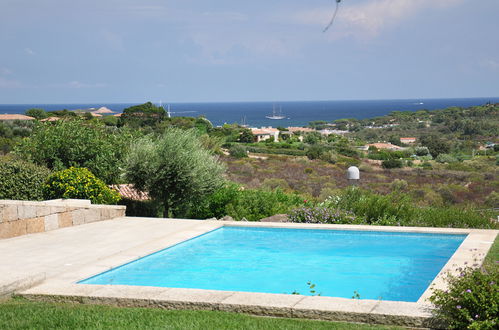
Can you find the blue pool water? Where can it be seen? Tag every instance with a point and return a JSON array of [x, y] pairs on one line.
[[390, 266]]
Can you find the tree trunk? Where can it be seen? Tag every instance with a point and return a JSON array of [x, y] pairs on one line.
[[166, 211]]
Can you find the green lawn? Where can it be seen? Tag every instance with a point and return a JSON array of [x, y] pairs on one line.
[[19, 313], [493, 255]]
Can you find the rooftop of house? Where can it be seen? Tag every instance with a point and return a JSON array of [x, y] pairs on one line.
[[264, 130], [129, 192]]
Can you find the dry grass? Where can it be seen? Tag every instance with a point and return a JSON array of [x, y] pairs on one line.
[[437, 186]]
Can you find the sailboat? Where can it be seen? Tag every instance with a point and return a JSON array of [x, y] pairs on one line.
[[275, 115]]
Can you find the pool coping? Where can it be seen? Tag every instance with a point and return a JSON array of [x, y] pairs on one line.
[[64, 287]]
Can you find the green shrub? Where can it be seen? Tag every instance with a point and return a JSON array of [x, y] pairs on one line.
[[330, 157], [147, 208], [238, 151], [239, 203], [65, 143], [445, 158], [315, 151], [215, 205], [492, 199], [254, 205], [392, 163], [280, 151], [398, 185], [320, 214], [471, 301], [21, 180], [398, 209], [79, 183]]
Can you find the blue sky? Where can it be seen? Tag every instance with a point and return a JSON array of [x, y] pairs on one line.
[[61, 51]]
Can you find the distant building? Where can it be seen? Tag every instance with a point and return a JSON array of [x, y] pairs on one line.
[[12, 117], [300, 129], [408, 140], [264, 133]]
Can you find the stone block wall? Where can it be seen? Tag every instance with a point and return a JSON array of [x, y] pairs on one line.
[[26, 217]]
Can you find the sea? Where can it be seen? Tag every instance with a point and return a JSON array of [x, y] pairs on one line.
[[296, 113]]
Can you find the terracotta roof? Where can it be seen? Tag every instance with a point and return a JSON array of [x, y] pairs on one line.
[[264, 131], [51, 119], [15, 117], [260, 132], [407, 139], [129, 192]]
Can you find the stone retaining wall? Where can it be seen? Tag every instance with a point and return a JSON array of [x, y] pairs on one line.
[[26, 217]]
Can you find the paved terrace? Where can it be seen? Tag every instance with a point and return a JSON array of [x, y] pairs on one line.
[[46, 266]]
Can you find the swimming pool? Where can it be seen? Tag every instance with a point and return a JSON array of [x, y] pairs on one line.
[[376, 265]]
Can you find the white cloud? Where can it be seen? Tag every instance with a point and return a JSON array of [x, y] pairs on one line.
[[5, 71], [491, 64], [29, 51], [369, 18], [9, 83], [78, 84]]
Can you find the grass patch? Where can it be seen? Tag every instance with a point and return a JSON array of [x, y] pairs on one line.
[[493, 255], [19, 313]]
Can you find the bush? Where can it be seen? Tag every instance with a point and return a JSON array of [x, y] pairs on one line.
[[281, 151], [79, 183], [397, 209], [239, 203], [65, 143], [315, 151], [21, 180], [421, 151], [398, 185], [329, 156], [238, 151], [254, 205], [492, 199], [147, 208], [471, 301], [392, 163], [320, 215], [445, 158]]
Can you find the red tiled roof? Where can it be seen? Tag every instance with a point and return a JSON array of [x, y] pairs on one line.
[[15, 117], [129, 192]]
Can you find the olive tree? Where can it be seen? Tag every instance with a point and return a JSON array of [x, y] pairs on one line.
[[174, 169]]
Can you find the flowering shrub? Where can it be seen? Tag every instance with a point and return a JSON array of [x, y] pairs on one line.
[[320, 214], [472, 300], [79, 183]]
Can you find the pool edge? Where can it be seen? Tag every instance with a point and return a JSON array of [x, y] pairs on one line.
[[63, 287]]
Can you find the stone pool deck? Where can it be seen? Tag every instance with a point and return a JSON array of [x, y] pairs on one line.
[[46, 266]]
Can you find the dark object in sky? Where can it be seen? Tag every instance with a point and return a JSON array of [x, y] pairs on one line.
[[334, 16]]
